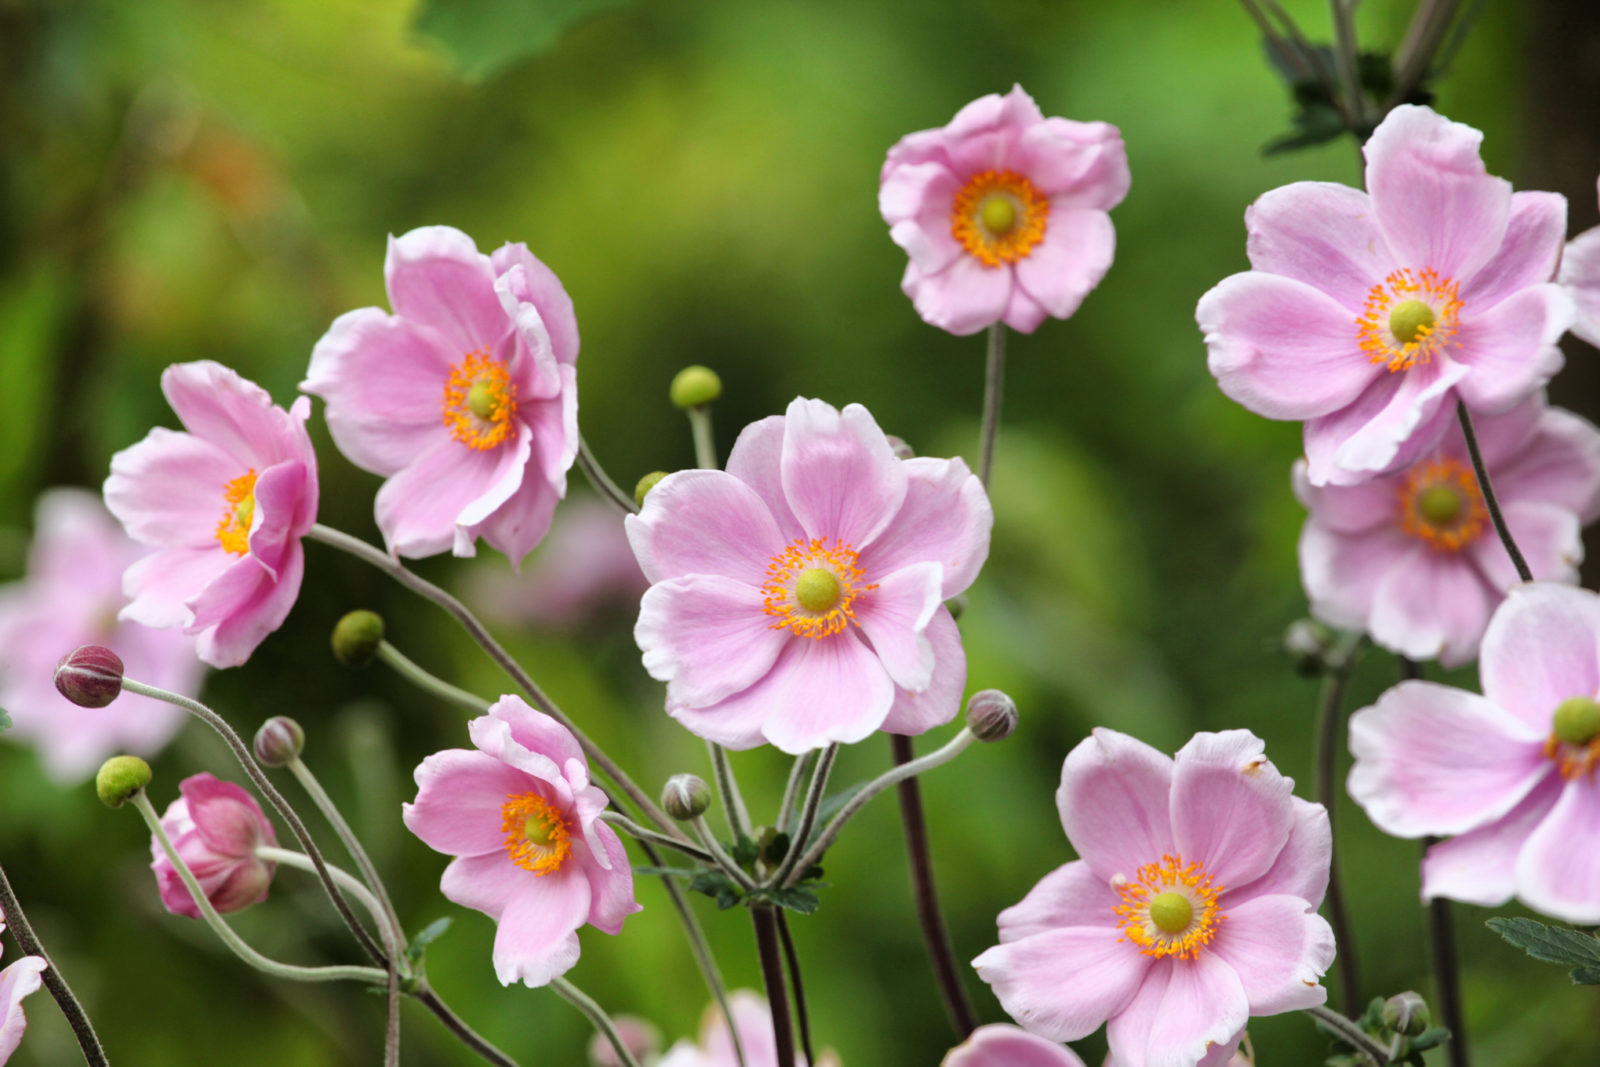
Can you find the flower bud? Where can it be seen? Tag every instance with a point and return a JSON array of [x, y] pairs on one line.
[[645, 484], [694, 386], [1406, 1013], [279, 740], [686, 796], [641, 1039], [89, 676], [119, 778], [215, 828], [991, 715], [898, 446], [1308, 643], [356, 638]]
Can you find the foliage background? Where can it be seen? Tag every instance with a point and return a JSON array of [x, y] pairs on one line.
[[185, 179]]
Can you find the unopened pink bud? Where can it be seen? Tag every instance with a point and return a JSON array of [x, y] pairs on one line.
[[90, 676]]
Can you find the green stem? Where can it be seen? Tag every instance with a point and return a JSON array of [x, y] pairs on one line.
[[93, 1054], [288, 857], [602, 481], [633, 829], [457, 1026], [1324, 788], [596, 1016], [1489, 499], [728, 788], [808, 817], [719, 854], [1351, 1034], [791, 790], [705, 447], [428, 683], [993, 387]]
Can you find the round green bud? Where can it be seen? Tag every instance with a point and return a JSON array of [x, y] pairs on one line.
[[998, 214], [119, 778], [1409, 320], [991, 715], [695, 386], [356, 638], [1171, 912], [279, 740], [686, 796], [1406, 1013], [817, 589], [645, 484], [90, 676], [1576, 721], [1440, 505]]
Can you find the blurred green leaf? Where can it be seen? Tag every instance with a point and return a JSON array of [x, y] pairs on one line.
[[425, 937], [5, 720], [487, 36], [1554, 944]]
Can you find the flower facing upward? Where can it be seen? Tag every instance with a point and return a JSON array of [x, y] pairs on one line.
[[1412, 557], [215, 827], [798, 597], [1003, 1045], [1368, 314], [1192, 908], [466, 398], [224, 505], [1512, 773], [532, 852], [1003, 213], [753, 1021], [16, 981]]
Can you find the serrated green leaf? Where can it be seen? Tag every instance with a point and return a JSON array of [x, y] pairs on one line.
[[427, 936], [794, 899], [1552, 944], [744, 851], [1586, 975], [487, 36]]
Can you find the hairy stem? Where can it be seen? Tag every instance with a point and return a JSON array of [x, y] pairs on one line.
[[597, 1017], [464, 1033], [430, 683], [633, 829], [808, 817], [88, 1042], [1352, 1034], [1324, 789]]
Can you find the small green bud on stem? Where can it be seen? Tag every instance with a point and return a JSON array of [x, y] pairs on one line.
[[694, 387], [991, 715], [686, 796], [119, 778], [279, 740], [356, 638], [645, 484]]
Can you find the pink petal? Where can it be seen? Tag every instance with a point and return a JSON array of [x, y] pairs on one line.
[[437, 277], [160, 585], [519, 524], [839, 474], [1558, 873], [1230, 806], [539, 286], [487, 882], [1541, 647], [460, 794], [236, 415], [168, 489], [1550, 540], [1078, 165], [946, 517], [982, 134], [1480, 866], [1529, 253], [240, 614], [1435, 760], [1501, 438], [227, 818], [1114, 803], [917, 713], [1511, 348], [537, 939], [895, 618], [1070, 895], [419, 509], [1301, 869], [1023, 313], [497, 736], [1341, 573], [1558, 463], [1063, 984], [1183, 1010], [1347, 509], [611, 891], [917, 202], [1580, 273], [831, 689], [1074, 255], [1322, 234], [1436, 204], [704, 522], [1280, 948], [1394, 423], [285, 508], [757, 461], [963, 298], [1432, 604], [19, 980], [537, 732], [1001, 1045], [1282, 348], [706, 636], [734, 723]]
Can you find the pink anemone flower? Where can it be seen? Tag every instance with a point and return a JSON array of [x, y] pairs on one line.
[[1192, 908], [753, 1021], [532, 852], [1368, 314], [1412, 557], [1511, 773], [1004, 213], [1004, 1045], [69, 598], [16, 981], [465, 399], [1580, 273], [215, 827], [225, 505], [798, 596]]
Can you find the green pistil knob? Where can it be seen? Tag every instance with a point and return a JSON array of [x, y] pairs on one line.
[[539, 830], [694, 387], [1577, 720], [817, 589], [279, 740], [356, 638], [1406, 1013], [1440, 504], [686, 796], [119, 778], [991, 715], [481, 399], [1171, 912], [1410, 320], [645, 484], [998, 214]]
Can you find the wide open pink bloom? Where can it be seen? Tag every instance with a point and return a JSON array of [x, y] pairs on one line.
[[466, 398], [215, 827], [798, 596], [1003, 1045], [16, 981], [1368, 314], [225, 505], [1192, 908], [532, 852], [753, 1021], [1580, 273], [1412, 558], [1511, 773], [70, 598], [1003, 213]]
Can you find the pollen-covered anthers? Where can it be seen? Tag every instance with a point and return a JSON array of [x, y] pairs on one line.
[[1574, 741], [998, 216], [238, 509], [811, 587], [1440, 503], [1170, 909], [537, 836], [1408, 318], [479, 400], [1573, 761]]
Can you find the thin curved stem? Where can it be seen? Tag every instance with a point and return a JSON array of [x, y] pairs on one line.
[[808, 817], [993, 387], [88, 1041], [791, 790], [720, 854], [1489, 500], [728, 788], [1324, 788], [1446, 973], [766, 922], [802, 1017], [602, 481], [454, 1023], [597, 1017], [288, 857], [633, 829], [1352, 1034], [430, 683]]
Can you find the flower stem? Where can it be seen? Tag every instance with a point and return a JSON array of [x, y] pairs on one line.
[[264, 786], [288, 857], [766, 923], [808, 816], [705, 447], [791, 791], [793, 959], [993, 386], [602, 481], [458, 1027], [728, 788], [469, 622], [1355, 103], [720, 854], [596, 1016], [429, 683], [1351, 1034], [628, 826], [93, 1054], [1446, 973], [1489, 499], [1324, 789]]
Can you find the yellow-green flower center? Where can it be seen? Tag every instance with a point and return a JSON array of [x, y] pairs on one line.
[[1410, 320], [998, 214], [483, 398], [1171, 912], [538, 837], [817, 589], [1440, 504], [1576, 721]]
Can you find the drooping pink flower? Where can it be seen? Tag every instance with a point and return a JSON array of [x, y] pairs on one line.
[[1580, 273], [753, 1021], [1192, 908], [466, 398], [532, 852], [70, 597], [16, 981], [1368, 314], [225, 506], [215, 827], [798, 596], [1412, 558], [1511, 773], [1004, 213], [1004, 1045]]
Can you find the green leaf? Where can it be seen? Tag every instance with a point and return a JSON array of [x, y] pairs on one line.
[[425, 937], [1586, 975], [744, 852], [1554, 944], [794, 898], [487, 36], [718, 887], [5, 720]]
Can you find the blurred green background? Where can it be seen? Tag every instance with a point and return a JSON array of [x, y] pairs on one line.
[[182, 179]]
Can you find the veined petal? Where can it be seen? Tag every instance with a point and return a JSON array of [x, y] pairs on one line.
[[610, 890], [962, 298], [1003, 1045], [1558, 463], [1480, 866], [1230, 806], [839, 474], [1511, 348], [1322, 234], [1542, 646], [234, 414], [160, 585], [1076, 252], [1114, 803], [1580, 273], [1346, 509], [1431, 604], [437, 277], [1529, 253], [419, 509], [946, 518], [820, 691], [757, 460], [1558, 870], [1070, 895], [938, 703], [704, 522], [916, 201], [240, 616], [168, 490], [1550, 539], [1393, 423], [1078, 165], [537, 284], [1280, 948], [1063, 984], [1342, 573], [1301, 869], [707, 637], [1183, 1010], [537, 939], [895, 617], [460, 794]]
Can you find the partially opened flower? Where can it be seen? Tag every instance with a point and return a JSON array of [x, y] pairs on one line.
[[753, 1021], [798, 597], [1580, 273], [215, 827], [1004, 213], [16, 981], [1369, 314], [225, 506], [1511, 773], [69, 598], [1003, 1045], [532, 852], [465, 398], [1412, 558], [1192, 908]]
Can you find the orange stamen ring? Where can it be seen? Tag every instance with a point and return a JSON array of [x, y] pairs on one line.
[[1024, 208], [479, 400], [1374, 328], [786, 569], [538, 838], [1171, 875]]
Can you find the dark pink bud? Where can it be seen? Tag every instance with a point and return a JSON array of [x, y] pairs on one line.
[[90, 676]]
